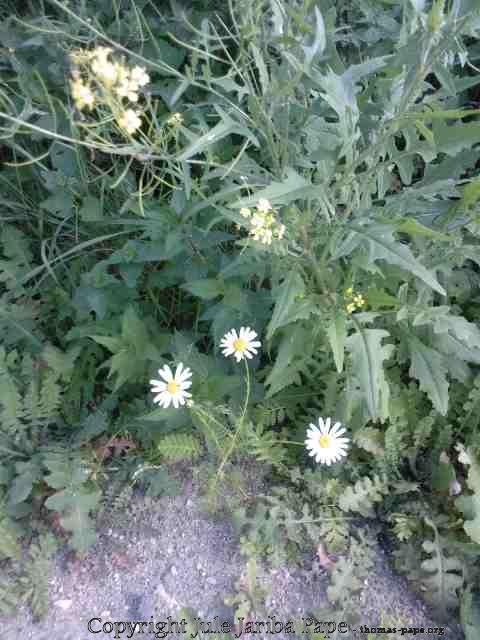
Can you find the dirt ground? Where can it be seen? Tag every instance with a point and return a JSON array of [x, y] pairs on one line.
[[169, 553]]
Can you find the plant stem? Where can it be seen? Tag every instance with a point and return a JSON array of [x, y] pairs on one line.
[[241, 421]]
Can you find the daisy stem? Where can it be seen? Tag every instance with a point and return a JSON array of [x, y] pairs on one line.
[[241, 421], [300, 444]]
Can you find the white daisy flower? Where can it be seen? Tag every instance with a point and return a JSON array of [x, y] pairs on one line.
[[172, 389], [243, 344], [325, 443]]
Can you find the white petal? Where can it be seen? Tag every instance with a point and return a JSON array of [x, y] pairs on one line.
[[158, 386], [336, 429], [166, 400], [328, 422], [178, 372], [166, 373], [185, 385]]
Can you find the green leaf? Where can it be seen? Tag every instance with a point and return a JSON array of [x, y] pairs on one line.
[[112, 344], [415, 228], [284, 372], [451, 139], [60, 203], [91, 210], [23, 484], [429, 368], [292, 188], [368, 354], [179, 446], [134, 331], [337, 333], [382, 245], [470, 505], [206, 289], [470, 613], [224, 128], [289, 305]]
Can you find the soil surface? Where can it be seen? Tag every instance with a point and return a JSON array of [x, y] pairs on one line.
[[168, 553]]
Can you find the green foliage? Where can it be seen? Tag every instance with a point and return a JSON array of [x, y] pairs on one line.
[[363, 495], [122, 249], [179, 446], [34, 579], [442, 574]]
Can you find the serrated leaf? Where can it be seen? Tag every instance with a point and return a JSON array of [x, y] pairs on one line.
[[284, 372], [382, 245], [337, 334], [451, 139], [134, 331], [368, 354], [207, 289], [224, 128], [415, 228], [112, 344], [289, 305], [293, 187], [428, 367]]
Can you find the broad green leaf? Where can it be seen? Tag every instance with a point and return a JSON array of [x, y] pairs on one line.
[[126, 365], [415, 228], [429, 368], [368, 354], [91, 210], [112, 344], [223, 129], [337, 334], [284, 371], [206, 289], [382, 245], [289, 305], [134, 331], [292, 188], [451, 139]]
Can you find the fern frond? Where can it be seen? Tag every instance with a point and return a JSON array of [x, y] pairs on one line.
[[179, 446], [34, 580]]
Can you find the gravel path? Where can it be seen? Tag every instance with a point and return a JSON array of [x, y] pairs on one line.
[[170, 554]]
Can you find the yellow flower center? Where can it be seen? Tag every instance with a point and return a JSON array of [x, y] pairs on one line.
[[239, 344], [324, 441], [172, 387]]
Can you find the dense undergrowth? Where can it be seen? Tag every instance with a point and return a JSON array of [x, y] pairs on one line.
[[307, 169]]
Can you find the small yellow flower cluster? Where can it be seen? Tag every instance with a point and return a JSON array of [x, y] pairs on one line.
[[355, 301], [264, 226], [82, 94], [116, 81], [175, 120]]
